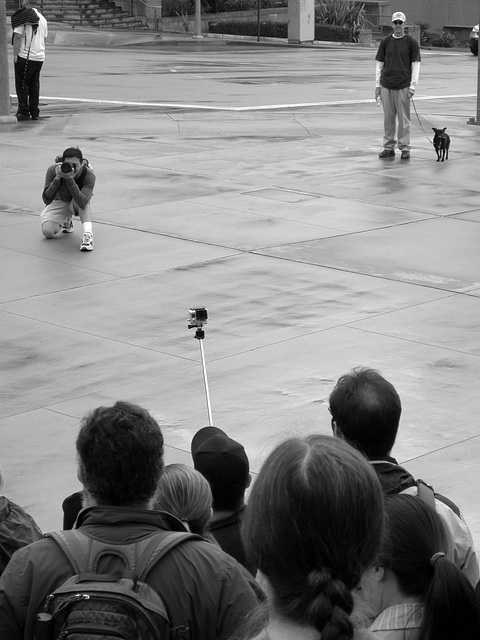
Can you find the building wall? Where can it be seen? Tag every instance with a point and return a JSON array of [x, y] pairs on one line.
[[438, 13]]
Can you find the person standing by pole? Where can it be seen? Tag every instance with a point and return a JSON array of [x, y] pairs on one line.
[[29, 32], [397, 70]]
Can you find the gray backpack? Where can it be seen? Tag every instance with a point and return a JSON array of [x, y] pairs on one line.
[[116, 605]]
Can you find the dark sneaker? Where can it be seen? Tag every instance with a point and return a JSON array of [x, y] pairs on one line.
[[87, 242], [405, 154], [387, 153], [68, 226], [20, 117]]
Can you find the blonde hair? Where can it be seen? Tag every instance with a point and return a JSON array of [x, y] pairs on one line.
[[186, 494]]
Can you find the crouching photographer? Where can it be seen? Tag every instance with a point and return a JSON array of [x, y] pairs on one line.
[[68, 190]]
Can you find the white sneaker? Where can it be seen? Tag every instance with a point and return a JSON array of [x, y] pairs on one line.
[[87, 242], [68, 225]]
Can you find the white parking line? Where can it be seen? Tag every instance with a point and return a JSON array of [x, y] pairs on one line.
[[267, 107]]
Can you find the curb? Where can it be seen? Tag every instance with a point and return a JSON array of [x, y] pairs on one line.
[[63, 35]]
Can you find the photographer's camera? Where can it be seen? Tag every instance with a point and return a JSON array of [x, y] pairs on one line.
[[66, 167]]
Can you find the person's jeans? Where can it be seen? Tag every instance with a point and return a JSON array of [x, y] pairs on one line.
[[27, 86], [396, 105]]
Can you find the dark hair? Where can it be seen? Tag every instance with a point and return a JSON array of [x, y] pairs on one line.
[[414, 535], [313, 523], [72, 152], [120, 451], [366, 409], [186, 494]]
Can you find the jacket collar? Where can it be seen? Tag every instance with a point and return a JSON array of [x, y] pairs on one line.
[[127, 516], [392, 476]]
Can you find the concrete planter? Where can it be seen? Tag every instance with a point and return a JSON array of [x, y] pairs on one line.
[[365, 36]]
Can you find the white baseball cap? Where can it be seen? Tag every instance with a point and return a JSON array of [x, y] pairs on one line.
[[398, 15]]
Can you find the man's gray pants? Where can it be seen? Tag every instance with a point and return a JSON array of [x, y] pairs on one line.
[[396, 105]]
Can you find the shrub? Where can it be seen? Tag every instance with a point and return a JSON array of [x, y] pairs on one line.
[[245, 5], [432, 39], [443, 39], [332, 33], [328, 32], [343, 13], [249, 28], [172, 8]]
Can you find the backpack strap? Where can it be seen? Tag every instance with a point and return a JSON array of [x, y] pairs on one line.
[[76, 546], [159, 545], [84, 552], [426, 493]]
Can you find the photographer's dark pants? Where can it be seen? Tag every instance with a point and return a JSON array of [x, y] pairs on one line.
[[27, 86]]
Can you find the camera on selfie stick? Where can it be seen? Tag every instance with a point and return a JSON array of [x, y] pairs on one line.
[[196, 319]]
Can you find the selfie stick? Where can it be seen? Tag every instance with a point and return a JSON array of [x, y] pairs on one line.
[[200, 335]]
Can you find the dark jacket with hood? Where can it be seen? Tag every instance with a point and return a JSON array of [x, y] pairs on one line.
[[201, 585]]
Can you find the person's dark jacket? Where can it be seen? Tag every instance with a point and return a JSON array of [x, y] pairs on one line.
[[227, 532], [17, 529], [201, 585], [71, 507]]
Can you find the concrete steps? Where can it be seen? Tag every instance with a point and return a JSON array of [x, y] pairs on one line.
[[12, 6], [102, 14]]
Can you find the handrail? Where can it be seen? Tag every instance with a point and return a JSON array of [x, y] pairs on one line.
[[149, 6], [372, 24]]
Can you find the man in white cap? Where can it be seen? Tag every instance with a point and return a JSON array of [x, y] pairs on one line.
[[397, 70]]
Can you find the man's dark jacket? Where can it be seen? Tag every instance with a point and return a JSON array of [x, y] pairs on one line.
[[201, 585]]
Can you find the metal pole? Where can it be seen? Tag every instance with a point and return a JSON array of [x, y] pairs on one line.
[[477, 119], [207, 392], [258, 20], [5, 102], [198, 19]]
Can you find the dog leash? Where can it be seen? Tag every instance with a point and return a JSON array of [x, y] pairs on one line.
[[419, 121]]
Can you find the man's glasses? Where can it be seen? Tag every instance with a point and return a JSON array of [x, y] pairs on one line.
[[398, 22]]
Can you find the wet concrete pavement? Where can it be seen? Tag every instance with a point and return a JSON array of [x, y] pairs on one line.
[[311, 255]]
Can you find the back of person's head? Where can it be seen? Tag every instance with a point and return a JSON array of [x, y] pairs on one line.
[[120, 451], [414, 549], [186, 494], [72, 152], [313, 523], [366, 411], [224, 464]]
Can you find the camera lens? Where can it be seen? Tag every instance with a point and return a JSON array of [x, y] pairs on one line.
[[66, 167]]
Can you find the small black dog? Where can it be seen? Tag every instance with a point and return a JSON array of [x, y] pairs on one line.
[[441, 142]]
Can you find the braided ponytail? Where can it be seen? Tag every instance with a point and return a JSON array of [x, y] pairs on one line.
[[313, 523], [329, 606]]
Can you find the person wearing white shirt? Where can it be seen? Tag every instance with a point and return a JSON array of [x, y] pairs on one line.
[[397, 70], [28, 57]]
